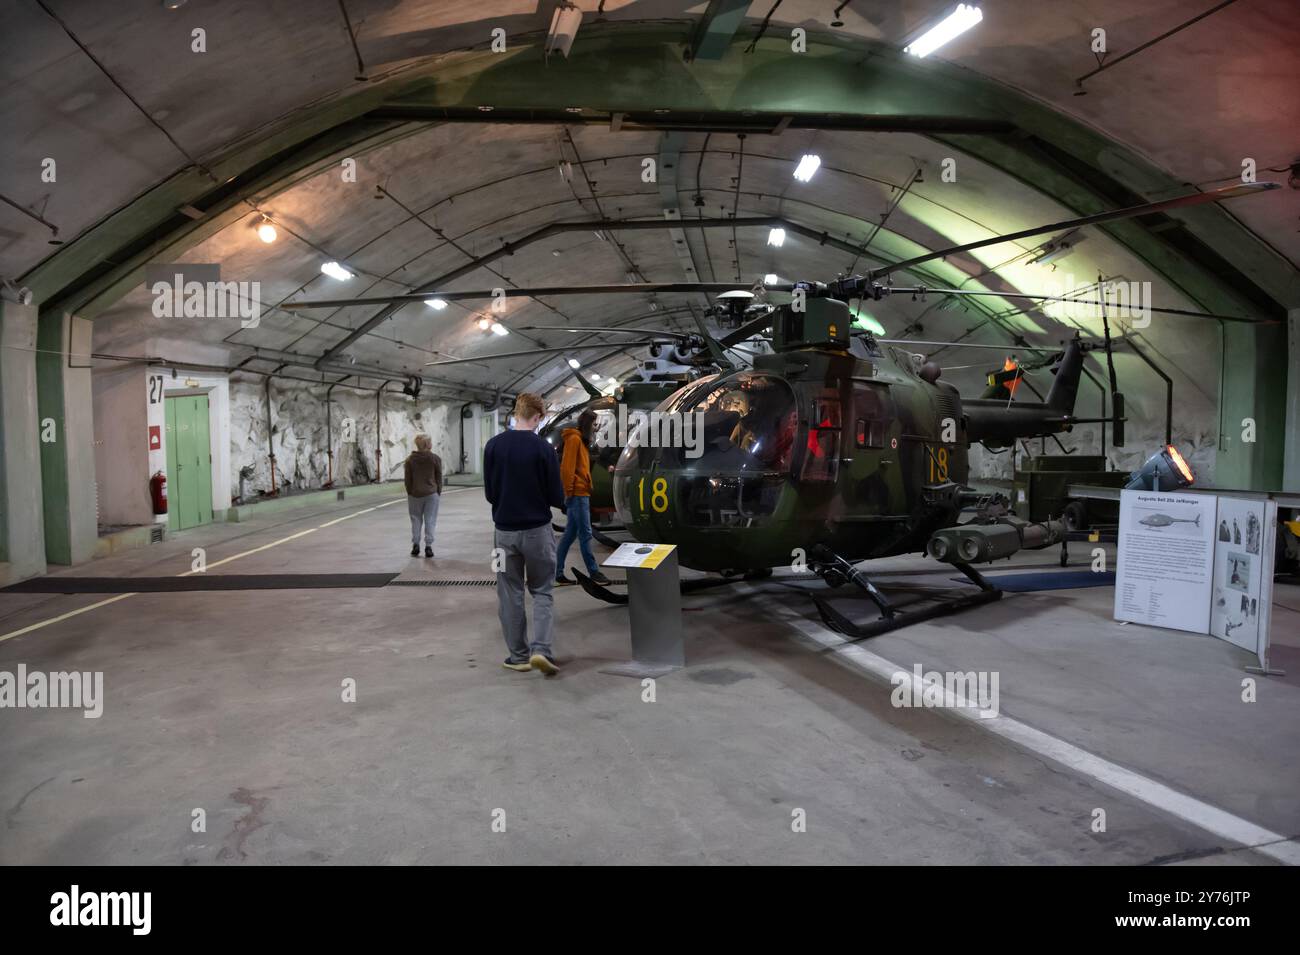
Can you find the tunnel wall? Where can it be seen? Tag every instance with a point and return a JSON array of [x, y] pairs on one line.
[[298, 421]]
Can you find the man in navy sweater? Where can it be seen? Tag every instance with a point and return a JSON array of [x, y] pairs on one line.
[[521, 478]]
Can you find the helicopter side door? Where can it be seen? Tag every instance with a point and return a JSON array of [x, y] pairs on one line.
[[821, 452], [873, 454]]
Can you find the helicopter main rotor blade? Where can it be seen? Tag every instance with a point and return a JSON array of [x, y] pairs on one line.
[[625, 330], [1178, 202], [1001, 348], [747, 330], [635, 288], [1084, 301], [537, 351]]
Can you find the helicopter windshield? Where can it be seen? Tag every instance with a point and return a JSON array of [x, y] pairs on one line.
[[749, 423]]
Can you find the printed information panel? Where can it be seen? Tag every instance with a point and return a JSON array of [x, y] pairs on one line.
[[1243, 572], [1166, 559], [645, 556]]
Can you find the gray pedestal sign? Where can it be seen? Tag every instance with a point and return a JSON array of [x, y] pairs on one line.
[[654, 609]]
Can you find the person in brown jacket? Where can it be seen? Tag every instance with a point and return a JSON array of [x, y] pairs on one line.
[[423, 473], [575, 475]]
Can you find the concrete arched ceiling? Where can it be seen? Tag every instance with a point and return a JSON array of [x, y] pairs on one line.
[[141, 125]]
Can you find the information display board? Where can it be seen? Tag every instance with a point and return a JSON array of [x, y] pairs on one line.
[[1245, 538], [644, 556], [1198, 562], [1165, 559]]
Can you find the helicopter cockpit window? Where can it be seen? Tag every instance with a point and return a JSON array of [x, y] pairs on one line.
[[601, 453], [822, 460], [749, 424]]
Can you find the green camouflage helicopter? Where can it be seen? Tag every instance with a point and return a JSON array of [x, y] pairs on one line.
[[831, 450], [837, 447]]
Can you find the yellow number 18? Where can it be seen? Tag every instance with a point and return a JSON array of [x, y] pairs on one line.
[[658, 495]]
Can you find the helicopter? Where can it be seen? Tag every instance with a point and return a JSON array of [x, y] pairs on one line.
[[836, 447], [833, 455]]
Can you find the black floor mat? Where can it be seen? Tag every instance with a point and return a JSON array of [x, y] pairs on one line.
[[126, 585]]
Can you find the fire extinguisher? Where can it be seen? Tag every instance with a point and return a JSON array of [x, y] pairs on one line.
[[158, 492]]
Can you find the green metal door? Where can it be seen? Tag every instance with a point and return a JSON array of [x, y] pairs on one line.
[[202, 461], [189, 462]]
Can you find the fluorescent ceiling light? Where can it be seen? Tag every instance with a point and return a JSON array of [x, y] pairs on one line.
[[770, 279], [499, 329], [807, 166], [953, 25], [776, 237], [574, 363], [336, 271], [863, 320], [436, 303]]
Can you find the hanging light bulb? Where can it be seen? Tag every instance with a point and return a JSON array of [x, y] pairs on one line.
[[266, 231]]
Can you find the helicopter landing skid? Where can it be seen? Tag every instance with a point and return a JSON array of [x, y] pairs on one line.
[[894, 616], [597, 532], [604, 538]]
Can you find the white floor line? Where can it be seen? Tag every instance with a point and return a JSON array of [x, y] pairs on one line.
[[1157, 795]]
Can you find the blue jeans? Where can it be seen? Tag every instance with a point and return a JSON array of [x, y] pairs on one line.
[[578, 511]]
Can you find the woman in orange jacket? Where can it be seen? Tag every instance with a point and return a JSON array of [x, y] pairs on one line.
[[575, 476]]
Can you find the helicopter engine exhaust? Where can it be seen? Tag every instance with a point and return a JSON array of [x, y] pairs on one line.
[[975, 543]]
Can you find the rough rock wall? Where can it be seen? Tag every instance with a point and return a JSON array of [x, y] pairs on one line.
[[298, 421]]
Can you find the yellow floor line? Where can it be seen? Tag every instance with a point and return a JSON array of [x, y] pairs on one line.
[[224, 560], [255, 550], [65, 616], [348, 517]]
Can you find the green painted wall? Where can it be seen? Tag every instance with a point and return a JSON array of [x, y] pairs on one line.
[[66, 414], [22, 534]]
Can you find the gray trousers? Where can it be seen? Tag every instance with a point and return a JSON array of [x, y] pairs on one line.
[[424, 513], [525, 555]]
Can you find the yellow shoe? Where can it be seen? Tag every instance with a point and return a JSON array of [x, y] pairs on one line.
[[539, 661], [517, 667]]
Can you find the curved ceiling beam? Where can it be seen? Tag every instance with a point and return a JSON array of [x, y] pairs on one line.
[[635, 69]]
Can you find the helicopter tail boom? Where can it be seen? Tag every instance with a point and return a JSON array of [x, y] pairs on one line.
[[999, 423]]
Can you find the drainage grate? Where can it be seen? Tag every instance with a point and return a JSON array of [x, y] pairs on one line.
[[340, 497], [442, 583], [156, 534]]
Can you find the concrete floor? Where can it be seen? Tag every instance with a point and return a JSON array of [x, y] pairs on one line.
[[231, 702]]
